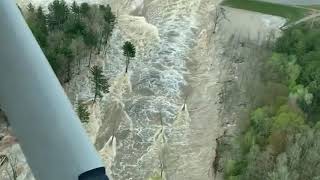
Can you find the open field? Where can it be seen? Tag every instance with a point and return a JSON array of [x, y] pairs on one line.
[[294, 2], [289, 12], [312, 7]]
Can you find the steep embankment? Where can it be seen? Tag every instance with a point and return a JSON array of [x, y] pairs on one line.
[[168, 111]]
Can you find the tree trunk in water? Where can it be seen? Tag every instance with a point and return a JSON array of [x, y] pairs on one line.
[[113, 132], [106, 45], [214, 27], [69, 71], [90, 57], [127, 65], [95, 97], [100, 44], [126, 68], [79, 69]]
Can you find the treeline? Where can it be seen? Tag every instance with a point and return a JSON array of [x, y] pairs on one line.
[[69, 34], [281, 141]]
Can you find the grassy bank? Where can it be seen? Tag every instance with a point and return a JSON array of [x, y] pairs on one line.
[[313, 7], [289, 12]]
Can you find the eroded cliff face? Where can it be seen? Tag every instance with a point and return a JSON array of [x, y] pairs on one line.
[[162, 118]]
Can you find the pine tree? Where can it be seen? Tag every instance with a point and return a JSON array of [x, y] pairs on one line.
[[100, 82], [77, 46], [75, 8], [36, 20], [41, 26], [69, 57], [58, 14], [110, 21], [129, 51], [91, 40], [108, 26], [30, 8], [108, 16], [83, 113], [84, 9]]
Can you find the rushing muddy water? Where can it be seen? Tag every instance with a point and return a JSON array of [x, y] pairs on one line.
[[154, 124], [163, 117]]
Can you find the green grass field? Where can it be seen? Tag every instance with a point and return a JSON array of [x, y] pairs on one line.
[[313, 7], [289, 12]]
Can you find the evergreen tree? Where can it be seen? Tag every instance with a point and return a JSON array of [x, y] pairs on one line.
[[38, 25], [75, 8], [70, 32], [100, 82], [41, 23], [53, 52], [68, 57], [84, 9], [30, 8], [41, 18], [108, 26], [77, 46], [58, 14], [91, 41], [129, 51], [83, 113], [74, 27]]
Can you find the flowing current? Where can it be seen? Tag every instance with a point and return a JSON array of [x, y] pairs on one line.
[[150, 124], [164, 117], [145, 110]]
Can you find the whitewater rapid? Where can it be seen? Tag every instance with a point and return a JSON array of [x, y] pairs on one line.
[[163, 117]]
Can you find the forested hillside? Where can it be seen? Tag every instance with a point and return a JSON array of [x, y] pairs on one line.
[[281, 141], [70, 34]]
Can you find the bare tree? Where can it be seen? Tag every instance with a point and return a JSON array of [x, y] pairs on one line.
[[3, 160], [219, 15], [78, 49], [11, 165]]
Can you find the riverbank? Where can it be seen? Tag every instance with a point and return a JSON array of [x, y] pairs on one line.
[[234, 55]]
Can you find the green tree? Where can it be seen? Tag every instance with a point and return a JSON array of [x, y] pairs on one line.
[[38, 24], [261, 123], [108, 26], [84, 9], [129, 51], [91, 40], [100, 82], [74, 27], [70, 32], [77, 46], [68, 57], [58, 14], [30, 8], [280, 172], [109, 17], [83, 112], [260, 163], [53, 52], [288, 120], [75, 8], [302, 156], [289, 126]]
